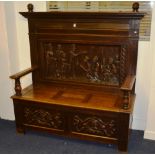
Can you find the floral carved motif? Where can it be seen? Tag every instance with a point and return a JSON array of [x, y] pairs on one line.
[[43, 118], [87, 63], [95, 125]]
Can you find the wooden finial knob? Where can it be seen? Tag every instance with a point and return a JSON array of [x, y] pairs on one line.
[[135, 7], [30, 7]]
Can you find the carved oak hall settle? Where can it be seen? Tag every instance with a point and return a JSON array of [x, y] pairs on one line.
[[83, 71]]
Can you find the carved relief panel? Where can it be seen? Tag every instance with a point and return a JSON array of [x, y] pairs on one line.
[[99, 64], [94, 125], [44, 118]]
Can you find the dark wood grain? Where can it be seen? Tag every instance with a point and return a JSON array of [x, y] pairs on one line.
[[17, 76], [84, 15], [84, 84], [24, 72]]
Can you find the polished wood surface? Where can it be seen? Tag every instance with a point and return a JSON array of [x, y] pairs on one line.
[[22, 73], [73, 97], [128, 83], [17, 77], [84, 15], [83, 72]]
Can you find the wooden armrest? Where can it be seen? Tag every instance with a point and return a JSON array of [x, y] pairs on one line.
[[24, 72], [128, 83], [17, 77]]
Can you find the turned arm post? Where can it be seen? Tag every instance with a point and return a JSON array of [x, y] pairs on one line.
[[127, 89], [16, 77], [18, 87]]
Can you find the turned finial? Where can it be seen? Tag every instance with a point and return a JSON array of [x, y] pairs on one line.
[[30, 7], [135, 6]]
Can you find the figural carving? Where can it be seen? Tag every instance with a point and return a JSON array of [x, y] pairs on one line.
[[95, 63]]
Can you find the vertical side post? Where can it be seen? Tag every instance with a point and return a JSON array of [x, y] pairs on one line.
[[18, 87], [18, 110], [126, 99], [124, 120]]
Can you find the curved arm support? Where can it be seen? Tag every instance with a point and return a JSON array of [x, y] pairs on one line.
[[24, 72], [17, 77]]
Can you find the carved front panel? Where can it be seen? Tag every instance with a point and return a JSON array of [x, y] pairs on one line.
[[44, 118], [94, 125], [99, 64]]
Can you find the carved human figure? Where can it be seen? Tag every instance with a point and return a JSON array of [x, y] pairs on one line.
[[117, 60], [86, 67], [75, 56], [95, 68], [62, 65], [116, 67], [50, 59], [65, 66], [111, 71], [74, 60], [107, 70]]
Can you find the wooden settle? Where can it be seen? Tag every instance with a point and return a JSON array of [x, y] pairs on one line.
[[83, 72]]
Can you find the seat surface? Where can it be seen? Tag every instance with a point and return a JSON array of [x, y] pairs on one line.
[[73, 97]]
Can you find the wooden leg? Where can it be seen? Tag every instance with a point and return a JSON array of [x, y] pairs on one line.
[[20, 130], [123, 146], [18, 109], [123, 132]]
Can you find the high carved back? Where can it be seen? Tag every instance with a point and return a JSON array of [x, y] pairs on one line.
[[91, 48]]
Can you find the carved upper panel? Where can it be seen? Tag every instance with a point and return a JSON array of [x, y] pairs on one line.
[[85, 63]]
